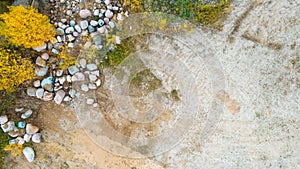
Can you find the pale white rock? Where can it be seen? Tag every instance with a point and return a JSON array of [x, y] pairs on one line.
[[62, 80], [40, 48], [39, 93], [70, 38], [92, 86], [96, 12], [92, 77], [19, 109], [48, 96], [89, 101], [84, 87], [31, 91], [7, 127], [93, 23], [77, 28], [27, 137], [72, 93], [118, 40], [59, 96], [101, 29], [36, 138], [96, 72], [107, 2], [85, 13], [29, 154], [91, 66], [82, 63], [98, 82], [27, 114], [31, 129], [67, 99], [3, 119], [45, 56], [95, 105], [69, 78], [109, 14], [69, 30], [40, 62], [20, 140], [78, 77]]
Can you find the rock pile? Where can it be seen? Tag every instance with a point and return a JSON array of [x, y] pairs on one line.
[[21, 132], [57, 84]]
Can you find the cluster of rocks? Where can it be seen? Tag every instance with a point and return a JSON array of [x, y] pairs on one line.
[[57, 85], [73, 21], [21, 132]]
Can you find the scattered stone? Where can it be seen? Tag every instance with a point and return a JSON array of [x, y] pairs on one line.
[[95, 105], [91, 29], [85, 33], [101, 22], [63, 20], [60, 31], [72, 93], [107, 2], [31, 129], [59, 73], [69, 12], [93, 23], [118, 40], [45, 56], [106, 20], [12, 141], [111, 24], [47, 83], [39, 93], [27, 114], [91, 66], [101, 29], [27, 137], [69, 30], [29, 154], [98, 82], [31, 91], [92, 86], [84, 87], [41, 71], [115, 8], [85, 13], [119, 17], [55, 51], [96, 72], [3, 119], [70, 38], [96, 12], [20, 140], [36, 138], [92, 78], [75, 34], [77, 28], [19, 109], [72, 23], [62, 80], [37, 83], [73, 69], [59, 96], [82, 63], [67, 99], [14, 133], [7, 127], [89, 101], [40, 48], [48, 96], [21, 124], [109, 14], [78, 77]]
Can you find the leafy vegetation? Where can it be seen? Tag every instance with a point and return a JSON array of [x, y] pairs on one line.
[[3, 143], [26, 27], [14, 70]]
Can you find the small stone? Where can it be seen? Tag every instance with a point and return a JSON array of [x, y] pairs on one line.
[[118, 40], [48, 96], [91, 66], [45, 56], [62, 80], [100, 15], [109, 6], [12, 141], [59, 72], [14, 132], [31, 91], [40, 93], [75, 34], [40, 48], [119, 17], [63, 20], [55, 51], [98, 82], [29, 154], [72, 23], [7, 127], [77, 28], [19, 109], [107, 2], [59, 96], [47, 81], [72, 93], [78, 77], [93, 23], [84, 24], [69, 12], [111, 24], [91, 29], [70, 38], [60, 31], [31, 129], [92, 78], [27, 114], [69, 30], [92, 86], [84, 13], [96, 12], [73, 69], [41, 71], [57, 88], [59, 39], [115, 8], [82, 63], [95, 105], [27, 137], [40, 62], [106, 20], [85, 33], [21, 124], [20, 140], [109, 14], [89, 101], [67, 99], [101, 22], [101, 29], [3, 119], [36, 138], [96, 72], [71, 45], [84, 87], [69, 78]]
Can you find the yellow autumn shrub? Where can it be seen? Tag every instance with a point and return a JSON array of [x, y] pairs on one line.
[[66, 59], [25, 26], [14, 149], [14, 70]]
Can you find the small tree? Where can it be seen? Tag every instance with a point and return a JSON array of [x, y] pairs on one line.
[[13, 70], [25, 26]]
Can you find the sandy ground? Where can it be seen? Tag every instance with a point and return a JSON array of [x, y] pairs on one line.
[[259, 53]]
